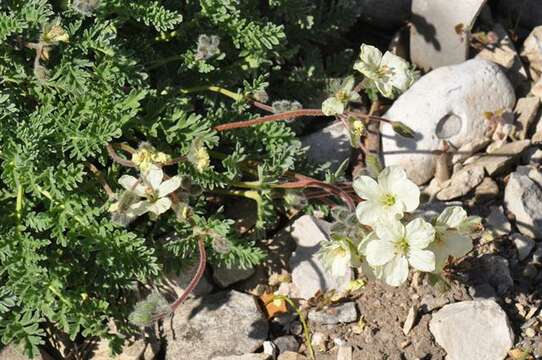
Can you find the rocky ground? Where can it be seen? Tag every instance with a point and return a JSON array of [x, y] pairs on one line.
[[483, 102]]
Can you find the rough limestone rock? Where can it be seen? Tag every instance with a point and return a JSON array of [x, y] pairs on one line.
[[473, 330], [225, 276], [523, 244], [446, 104], [523, 198], [343, 313], [308, 273], [462, 182], [531, 52], [221, 324], [330, 144]]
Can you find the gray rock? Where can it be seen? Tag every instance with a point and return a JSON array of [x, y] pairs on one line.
[[330, 144], [537, 256], [224, 276], [343, 313], [473, 330], [386, 14], [468, 149], [434, 41], [174, 284], [497, 221], [523, 198], [430, 302], [487, 189], [286, 343], [523, 244], [462, 182], [410, 320], [526, 111], [259, 356], [221, 324], [502, 158], [533, 155], [482, 292], [504, 53], [532, 51], [446, 104], [309, 275], [494, 270]]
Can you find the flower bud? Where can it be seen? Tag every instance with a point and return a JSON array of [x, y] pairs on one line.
[[402, 129]]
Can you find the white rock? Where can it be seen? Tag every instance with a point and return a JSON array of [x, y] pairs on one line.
[[410, 320], [473, 330], [503, 157], [497, 221], [523, 244], [434, 41], [343, 313], [308, 273], [523, 198], [220, 324], [330, 144], [224, 276], [446, 104], [468, 149], [462, 182], [527, 111], [532, 52]]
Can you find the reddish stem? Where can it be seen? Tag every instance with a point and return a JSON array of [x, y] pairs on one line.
[[269, 118]]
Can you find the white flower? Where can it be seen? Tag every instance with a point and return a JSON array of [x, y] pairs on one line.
[[338, 255], [453, 229], [336, 104], [386, 199], [154, 191], [389, 73], [397, 247]]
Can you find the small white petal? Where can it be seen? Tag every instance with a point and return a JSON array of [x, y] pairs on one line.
[[391, 179], [332, 106], [340, 266], [409, 195], [169, 186], [354, 97], [385, 87], [452, 216], [419, 233], [423, 260], [368, 213], [348, 84], [138, 209], [153, 176], [160, 206], [456, 243], [400, 71], [362, 246], [390, 230], [395, 272], [132, 184], [367, 188], [370, 58], [379, 252]]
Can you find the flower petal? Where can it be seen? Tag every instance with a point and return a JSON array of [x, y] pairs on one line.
[[395, 272], [391, 179], [400, 78], [452, 216], [379, 252], [138, 209], [169, 186], [456, 243], [340, 265], [385, 87], [153, 177], [160, 206], [132, 184], [423, 260], [370, 58], [332, 106], [368, 212], [419, 234], [367, 188], [409, 195], [390, 230]]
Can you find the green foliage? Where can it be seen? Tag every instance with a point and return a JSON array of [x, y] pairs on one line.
[[133, 71]]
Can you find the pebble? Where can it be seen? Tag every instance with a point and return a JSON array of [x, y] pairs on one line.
[[493, 270], [330, 144], [531, 52], [527, 111], [502, 158], [309, 275], [482, 292], [523, 244], [530, 332], [270, 348], [441, 106], [470, 148], [430, 302], [523, 198], [462, 182], [497, 221], [343, 313], [224, 276], [319, 340], [286, 343], [259, 356], [410, 320], [220, 324], [486, 190], [458, 328]]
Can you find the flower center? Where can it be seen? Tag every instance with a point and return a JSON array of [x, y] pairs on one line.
[[384, 71], [402, 246], [358, 127], [152, 196], [342, 96], [389, 200]]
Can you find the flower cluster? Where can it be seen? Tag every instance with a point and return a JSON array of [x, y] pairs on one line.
[[386, 240]]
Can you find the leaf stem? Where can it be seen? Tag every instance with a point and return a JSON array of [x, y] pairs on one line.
[[306, 328]]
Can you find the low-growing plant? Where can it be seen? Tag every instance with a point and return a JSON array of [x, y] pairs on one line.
[[124, 124]]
